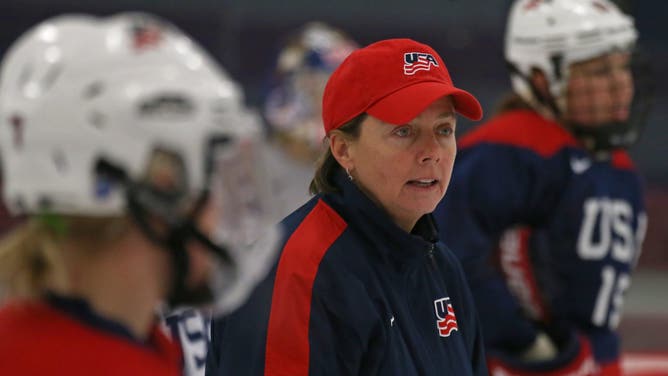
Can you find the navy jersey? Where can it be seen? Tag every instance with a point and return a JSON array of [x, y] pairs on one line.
[[545, 232], [353, 294]]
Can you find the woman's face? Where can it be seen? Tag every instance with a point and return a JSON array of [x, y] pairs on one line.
[[600, 90], [406, 168]]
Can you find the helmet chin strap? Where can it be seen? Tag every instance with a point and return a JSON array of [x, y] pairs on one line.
[[170, 232], [547, 105], [605, 137], [174, 237]]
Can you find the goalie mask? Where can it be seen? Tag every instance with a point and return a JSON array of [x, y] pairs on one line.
[[293, 105], [597, 85], [103, 117]]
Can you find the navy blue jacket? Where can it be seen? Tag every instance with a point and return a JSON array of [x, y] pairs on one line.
[[545, 232], [353, 294]]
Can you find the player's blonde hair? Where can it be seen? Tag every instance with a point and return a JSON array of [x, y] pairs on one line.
[[31, 259]]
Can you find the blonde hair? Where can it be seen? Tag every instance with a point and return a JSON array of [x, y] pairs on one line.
[[31, 259]]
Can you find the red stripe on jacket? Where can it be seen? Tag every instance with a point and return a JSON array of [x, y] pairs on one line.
[[287, 349]]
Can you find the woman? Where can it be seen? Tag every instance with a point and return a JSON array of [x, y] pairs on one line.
[[363, 286], [114, 146], [545, 210]]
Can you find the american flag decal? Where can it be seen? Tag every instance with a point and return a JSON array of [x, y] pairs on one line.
[[446, 321], [532, 4], [145, 36], [417, 61]]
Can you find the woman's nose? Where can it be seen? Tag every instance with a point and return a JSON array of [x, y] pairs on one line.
[[430, 150]]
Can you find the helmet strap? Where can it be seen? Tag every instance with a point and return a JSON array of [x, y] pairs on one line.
[[546, 102], [170, 231], [173, 238]]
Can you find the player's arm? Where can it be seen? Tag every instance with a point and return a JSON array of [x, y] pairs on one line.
[[494, 188]]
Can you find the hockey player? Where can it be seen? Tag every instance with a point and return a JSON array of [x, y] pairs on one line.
[[545, 209], [129, 152], [293, 107]]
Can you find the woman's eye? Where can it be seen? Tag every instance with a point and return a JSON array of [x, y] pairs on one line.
[[446, 131], [402, 131]]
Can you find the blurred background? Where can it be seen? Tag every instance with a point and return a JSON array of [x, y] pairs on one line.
[[245, 36]]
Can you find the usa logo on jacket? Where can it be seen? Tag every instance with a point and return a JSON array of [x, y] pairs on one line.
[[446, 322]]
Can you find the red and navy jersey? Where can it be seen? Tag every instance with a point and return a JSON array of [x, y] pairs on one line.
[[545, 231], [60, 336], [353, 294]]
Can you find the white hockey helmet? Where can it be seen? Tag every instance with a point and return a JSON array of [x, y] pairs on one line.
[[105, 116], [76, 89], [552, 34]]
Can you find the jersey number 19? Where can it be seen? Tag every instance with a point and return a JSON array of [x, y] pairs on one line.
[[607, 230]]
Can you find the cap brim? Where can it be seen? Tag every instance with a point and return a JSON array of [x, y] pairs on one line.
[[407, 103]]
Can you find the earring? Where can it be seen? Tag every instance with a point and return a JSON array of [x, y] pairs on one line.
[[350, 177]]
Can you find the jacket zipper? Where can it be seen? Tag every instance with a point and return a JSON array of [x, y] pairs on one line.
[[430, 252]]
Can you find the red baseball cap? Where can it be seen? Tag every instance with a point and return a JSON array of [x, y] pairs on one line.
[[393, 80]]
